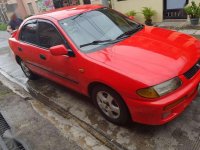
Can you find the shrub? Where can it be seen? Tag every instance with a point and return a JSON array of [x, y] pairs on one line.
[[3, 26], [193, 10], [131, 13], [148, 13], [28, 16]]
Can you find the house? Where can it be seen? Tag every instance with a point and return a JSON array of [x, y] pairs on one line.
[[25, 8], [22, 7], [165, 9]]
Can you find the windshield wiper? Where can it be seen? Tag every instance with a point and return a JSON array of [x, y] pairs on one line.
[[130, 32], [125, 34], [95, 43], [77, 16]]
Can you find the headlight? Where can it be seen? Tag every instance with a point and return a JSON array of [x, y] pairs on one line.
[[160, 89]]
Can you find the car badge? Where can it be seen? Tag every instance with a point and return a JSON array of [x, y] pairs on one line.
[[198, 65]]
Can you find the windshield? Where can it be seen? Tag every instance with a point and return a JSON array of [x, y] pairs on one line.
[[98, 28]]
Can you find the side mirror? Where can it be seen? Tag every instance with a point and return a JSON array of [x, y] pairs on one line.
[[131, 17], [58, 50]]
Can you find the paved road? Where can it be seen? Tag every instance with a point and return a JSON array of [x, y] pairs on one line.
[[28, 127], [70, 136], [181, 133]]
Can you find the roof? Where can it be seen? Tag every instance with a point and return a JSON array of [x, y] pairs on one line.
[[69, 11]]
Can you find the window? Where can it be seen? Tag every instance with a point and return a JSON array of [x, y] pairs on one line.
[[29, 32], [48, 35], [30, 6], [11, 7], [97, 25]]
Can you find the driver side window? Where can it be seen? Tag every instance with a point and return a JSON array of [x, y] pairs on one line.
[[48, 35], [29, 32]]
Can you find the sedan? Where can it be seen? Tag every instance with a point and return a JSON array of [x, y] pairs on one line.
[[131, 71]]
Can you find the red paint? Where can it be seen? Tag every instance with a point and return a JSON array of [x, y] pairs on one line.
[[58, 50], [149, 57], [131, 17]]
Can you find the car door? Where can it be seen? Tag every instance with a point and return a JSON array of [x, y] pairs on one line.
[[28, 48], [62, 69], [31, 52]]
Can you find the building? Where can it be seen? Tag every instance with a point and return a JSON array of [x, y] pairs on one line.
[[165, 9], [26, 8], [3, 15], [21, 7]]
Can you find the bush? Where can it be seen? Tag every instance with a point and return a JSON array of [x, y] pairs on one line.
[[148, 13], [3, 26], [193, 10], [131, 13], [28, 16]]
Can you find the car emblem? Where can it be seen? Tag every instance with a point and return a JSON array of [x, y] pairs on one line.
[[198, 65]]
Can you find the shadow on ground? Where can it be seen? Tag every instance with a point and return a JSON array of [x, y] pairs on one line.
[[181, 133]]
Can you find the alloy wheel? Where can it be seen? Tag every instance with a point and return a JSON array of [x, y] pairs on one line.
[[108, 105]]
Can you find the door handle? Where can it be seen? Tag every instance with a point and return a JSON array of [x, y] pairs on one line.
[[42, 57], [20, 49]]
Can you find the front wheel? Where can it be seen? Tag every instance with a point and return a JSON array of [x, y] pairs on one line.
[[111, 105], [29, 74]]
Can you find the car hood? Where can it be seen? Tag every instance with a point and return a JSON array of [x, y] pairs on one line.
[[152, 55]]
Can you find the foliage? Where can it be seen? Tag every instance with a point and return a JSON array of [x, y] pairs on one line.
[[3, 26], [148, 13], [131, 13], [193, 10], [28, 16]]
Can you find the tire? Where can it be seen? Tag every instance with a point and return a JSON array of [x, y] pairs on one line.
[[113, 109], [28, 73]]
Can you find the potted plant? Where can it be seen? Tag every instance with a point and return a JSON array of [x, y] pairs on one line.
[[148, 14], [193, 11], [131, 14]]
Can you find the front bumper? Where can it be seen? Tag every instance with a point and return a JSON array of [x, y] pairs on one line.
[[167, 108]]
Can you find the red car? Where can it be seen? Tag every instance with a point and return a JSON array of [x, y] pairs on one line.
[[131, 71]]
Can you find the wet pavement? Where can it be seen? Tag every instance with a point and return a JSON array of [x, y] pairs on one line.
[[26, 126], [183, 133]]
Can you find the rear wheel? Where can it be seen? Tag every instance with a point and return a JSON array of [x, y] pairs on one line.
[[111, 105], [29, 74]]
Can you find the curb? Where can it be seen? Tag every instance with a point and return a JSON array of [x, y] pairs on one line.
[[106, 140]]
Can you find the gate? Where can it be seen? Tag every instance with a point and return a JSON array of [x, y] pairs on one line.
[[174, 9], [175, 14]]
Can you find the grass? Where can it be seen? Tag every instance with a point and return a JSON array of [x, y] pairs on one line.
[[3, 26]]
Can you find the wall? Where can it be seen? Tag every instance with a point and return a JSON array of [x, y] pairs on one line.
[[197, 1], [23, 9], [96, 1], [34, 5], [45, 5], [102, 2], [137, 5]]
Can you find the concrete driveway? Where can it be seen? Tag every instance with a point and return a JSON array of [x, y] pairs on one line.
[[183, 133]]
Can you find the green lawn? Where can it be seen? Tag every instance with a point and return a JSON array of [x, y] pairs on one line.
[[3, 27]]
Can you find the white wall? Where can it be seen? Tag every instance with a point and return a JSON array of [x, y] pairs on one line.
[[137, 5]]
